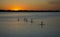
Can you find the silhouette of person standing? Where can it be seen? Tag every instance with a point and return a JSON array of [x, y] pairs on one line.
[[41, 24], [25, 19], [18, 19], [31, 20]]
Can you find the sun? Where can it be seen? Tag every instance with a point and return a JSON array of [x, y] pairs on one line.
[[15, 9]]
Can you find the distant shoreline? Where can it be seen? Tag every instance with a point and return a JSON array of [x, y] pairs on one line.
[[30, 11]]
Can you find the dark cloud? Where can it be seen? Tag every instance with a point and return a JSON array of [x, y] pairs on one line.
[[56, 2]]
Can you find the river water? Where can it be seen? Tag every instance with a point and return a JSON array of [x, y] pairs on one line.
[[11, 27]]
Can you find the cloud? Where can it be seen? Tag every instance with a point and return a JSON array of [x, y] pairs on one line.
[[55, 2]]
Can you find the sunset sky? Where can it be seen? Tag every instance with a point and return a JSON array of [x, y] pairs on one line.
[[29, 4]]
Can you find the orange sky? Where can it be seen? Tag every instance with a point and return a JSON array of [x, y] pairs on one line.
[[29, 5]]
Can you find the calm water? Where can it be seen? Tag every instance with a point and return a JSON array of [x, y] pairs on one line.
[[10, 27]]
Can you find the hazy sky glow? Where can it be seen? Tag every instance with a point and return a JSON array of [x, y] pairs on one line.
[[30, 4]]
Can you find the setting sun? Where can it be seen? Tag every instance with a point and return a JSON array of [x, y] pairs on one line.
[[15, 7]]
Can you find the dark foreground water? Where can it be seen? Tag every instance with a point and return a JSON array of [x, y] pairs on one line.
[[10, 27]]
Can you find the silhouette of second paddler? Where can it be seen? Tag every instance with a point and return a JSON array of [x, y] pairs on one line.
[[41, 24], [18, 19], [31, 20], [25, 19]]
